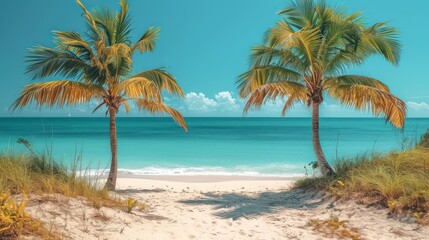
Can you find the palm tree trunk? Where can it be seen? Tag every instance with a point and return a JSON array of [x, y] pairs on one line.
[[111, 180], [324, 167]]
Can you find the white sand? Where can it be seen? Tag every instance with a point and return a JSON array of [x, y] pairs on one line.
[[215, 207]]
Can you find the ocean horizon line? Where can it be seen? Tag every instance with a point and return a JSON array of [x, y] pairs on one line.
[[350, 117]]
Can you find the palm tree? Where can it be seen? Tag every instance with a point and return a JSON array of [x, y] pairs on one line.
[[100, 66], [304, 58]]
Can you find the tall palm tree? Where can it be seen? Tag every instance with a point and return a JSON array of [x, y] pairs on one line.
[[304, 58], [100, 66]]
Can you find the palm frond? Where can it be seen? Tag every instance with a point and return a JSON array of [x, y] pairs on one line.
[[91, 23], [368, 94], [73, 41], [58, 93], [268, 55], [352, 80], [138, 87], [162, 79], [126, 106], [106, 22], [148, 40], [123, 25], [291, 100], [275, 90], [118, 52], [159, 107], [44, 62], [382, 39], [301, 13], [260, 75], [305, 42]]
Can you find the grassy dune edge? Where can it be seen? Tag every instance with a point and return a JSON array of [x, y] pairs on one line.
[[398, 181], [26, 176]]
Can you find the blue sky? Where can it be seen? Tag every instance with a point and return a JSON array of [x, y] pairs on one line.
[[206, 44]]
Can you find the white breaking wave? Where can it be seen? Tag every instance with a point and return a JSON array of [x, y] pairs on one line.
[[256, 171]]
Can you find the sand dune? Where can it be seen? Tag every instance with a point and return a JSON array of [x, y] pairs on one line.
[[215, 208]]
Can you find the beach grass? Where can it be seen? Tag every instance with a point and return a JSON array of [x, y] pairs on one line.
[[31, 174], [398, 181]]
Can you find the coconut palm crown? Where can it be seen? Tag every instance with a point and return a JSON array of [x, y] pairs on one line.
[[305, 56], [98, 67]]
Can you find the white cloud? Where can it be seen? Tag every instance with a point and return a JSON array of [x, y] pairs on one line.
[[418, 106], [199, 102], [226, 102], [222, 102]]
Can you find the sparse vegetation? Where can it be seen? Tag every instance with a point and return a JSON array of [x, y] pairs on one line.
[[133, 203], [398, 181], [14, 221], [335, 228], [38, 174]]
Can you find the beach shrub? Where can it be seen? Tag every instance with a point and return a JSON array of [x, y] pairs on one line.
[[133, 203], [14, 221], [398, 181], [333, 227]]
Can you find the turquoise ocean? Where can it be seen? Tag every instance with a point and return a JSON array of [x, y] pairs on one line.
[[213, 146]]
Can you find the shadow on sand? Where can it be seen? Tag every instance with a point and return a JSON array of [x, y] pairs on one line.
[[235, 206], [136, 191]]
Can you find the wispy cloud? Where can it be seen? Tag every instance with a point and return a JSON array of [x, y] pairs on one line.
[[418, 106], [418, 97]]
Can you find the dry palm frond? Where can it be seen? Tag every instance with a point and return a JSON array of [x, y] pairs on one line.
[[58, 93], [261, 75], [162, 79], [160, 107], [368, 94], [136, 87], [272, 91]]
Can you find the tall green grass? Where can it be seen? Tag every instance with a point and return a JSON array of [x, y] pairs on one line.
[[398, 180]]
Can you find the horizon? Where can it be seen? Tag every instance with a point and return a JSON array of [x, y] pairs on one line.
[[209, 85], [347, 117]]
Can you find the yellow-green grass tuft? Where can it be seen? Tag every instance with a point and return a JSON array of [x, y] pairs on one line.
[[33, 174], [398, 181], [24, 175]]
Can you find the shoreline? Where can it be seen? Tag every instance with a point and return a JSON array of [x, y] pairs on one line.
[[203, 178], [203, 184]]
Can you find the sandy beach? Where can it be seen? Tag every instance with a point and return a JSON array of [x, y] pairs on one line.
[[215, 207]]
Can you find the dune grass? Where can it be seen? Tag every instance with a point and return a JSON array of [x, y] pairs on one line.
[[398, 181], [27, 174], [39, 175]]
